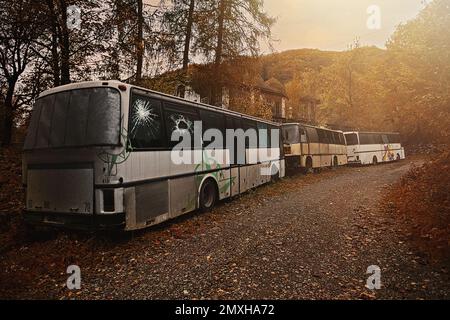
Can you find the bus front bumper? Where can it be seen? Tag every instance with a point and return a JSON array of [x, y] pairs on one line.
[[87, 222]]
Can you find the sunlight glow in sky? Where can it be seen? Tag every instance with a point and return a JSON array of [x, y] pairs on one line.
[[334, 24]]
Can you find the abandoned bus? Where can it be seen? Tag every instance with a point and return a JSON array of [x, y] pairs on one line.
[[101, 154], [373, 147], [312, 147]]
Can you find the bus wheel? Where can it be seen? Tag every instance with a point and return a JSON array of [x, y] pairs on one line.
[[275, 174], [208, 195], [335, 162], [374, 161], [309, 166]]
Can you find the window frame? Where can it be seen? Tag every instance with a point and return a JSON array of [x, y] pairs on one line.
[[164, 146], [300, 130], [323, 136], [356, 135], [118, 144], [173, 107], [244, 123], [262, 126], [316, 140], [236, 123], [205, 112]]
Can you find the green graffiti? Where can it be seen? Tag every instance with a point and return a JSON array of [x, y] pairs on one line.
[[211, 164]]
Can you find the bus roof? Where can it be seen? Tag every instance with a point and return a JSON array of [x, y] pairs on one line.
[[369, 132], [310, 126], [116, 84]]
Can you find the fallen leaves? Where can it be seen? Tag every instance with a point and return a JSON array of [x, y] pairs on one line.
[[421, 201]]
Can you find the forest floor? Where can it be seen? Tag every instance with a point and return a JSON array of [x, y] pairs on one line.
[[305, 237]]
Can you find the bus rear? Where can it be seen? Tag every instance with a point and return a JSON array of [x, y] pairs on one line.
[[72, 129], [292, 145]]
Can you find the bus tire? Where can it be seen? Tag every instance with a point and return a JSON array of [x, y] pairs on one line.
[[208, 195], [335, 162], [309, 166], [275, 174], [374, 160]]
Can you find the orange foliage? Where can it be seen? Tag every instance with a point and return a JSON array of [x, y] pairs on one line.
[[422, 201]]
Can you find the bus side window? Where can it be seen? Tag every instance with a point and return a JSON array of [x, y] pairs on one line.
[[336, 138], [379, 139], [273, 132], [322, 136], [213, 120], [313, 137], [385, 139], [30, 140], [179, 120], [250, 127], [145, 125], [341, 139], [330, 137], [394, 138], [303, 135], [44, 127], [364, 138], [263, 135], [234, 124]]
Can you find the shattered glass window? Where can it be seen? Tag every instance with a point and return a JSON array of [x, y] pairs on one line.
[[180, 121], [145, 128]]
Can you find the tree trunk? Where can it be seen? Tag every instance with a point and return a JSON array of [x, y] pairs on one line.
[[8, 116], [187, 41], [187, 45], [139, 41], [56, 72], [65, 45], [217, 81], [55, 61]]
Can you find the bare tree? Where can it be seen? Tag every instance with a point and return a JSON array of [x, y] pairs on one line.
[[230, 29], [19, 29]]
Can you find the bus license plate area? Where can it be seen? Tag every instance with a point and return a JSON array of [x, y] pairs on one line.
[[60, 190]]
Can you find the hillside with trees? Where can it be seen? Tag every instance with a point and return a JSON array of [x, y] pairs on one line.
[[402, 88]]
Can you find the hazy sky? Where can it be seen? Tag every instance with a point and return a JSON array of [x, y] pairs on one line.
[[333, 24]]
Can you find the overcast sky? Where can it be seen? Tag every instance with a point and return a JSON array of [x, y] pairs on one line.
[[333, 24]]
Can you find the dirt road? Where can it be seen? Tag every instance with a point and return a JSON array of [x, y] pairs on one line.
[[306, 237]]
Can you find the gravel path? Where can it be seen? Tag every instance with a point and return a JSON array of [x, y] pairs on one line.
[[306, 237]]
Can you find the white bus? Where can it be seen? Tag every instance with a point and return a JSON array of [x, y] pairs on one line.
[[101, 155], [373, 147], [310, 147]]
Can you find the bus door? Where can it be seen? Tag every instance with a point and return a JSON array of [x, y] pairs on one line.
[[304, 146], [352, 145]]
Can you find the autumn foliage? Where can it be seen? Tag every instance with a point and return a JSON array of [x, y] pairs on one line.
[[422, 202]]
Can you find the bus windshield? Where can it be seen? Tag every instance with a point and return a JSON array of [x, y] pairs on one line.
[[352, 139], [75, 118], [291, 134]]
